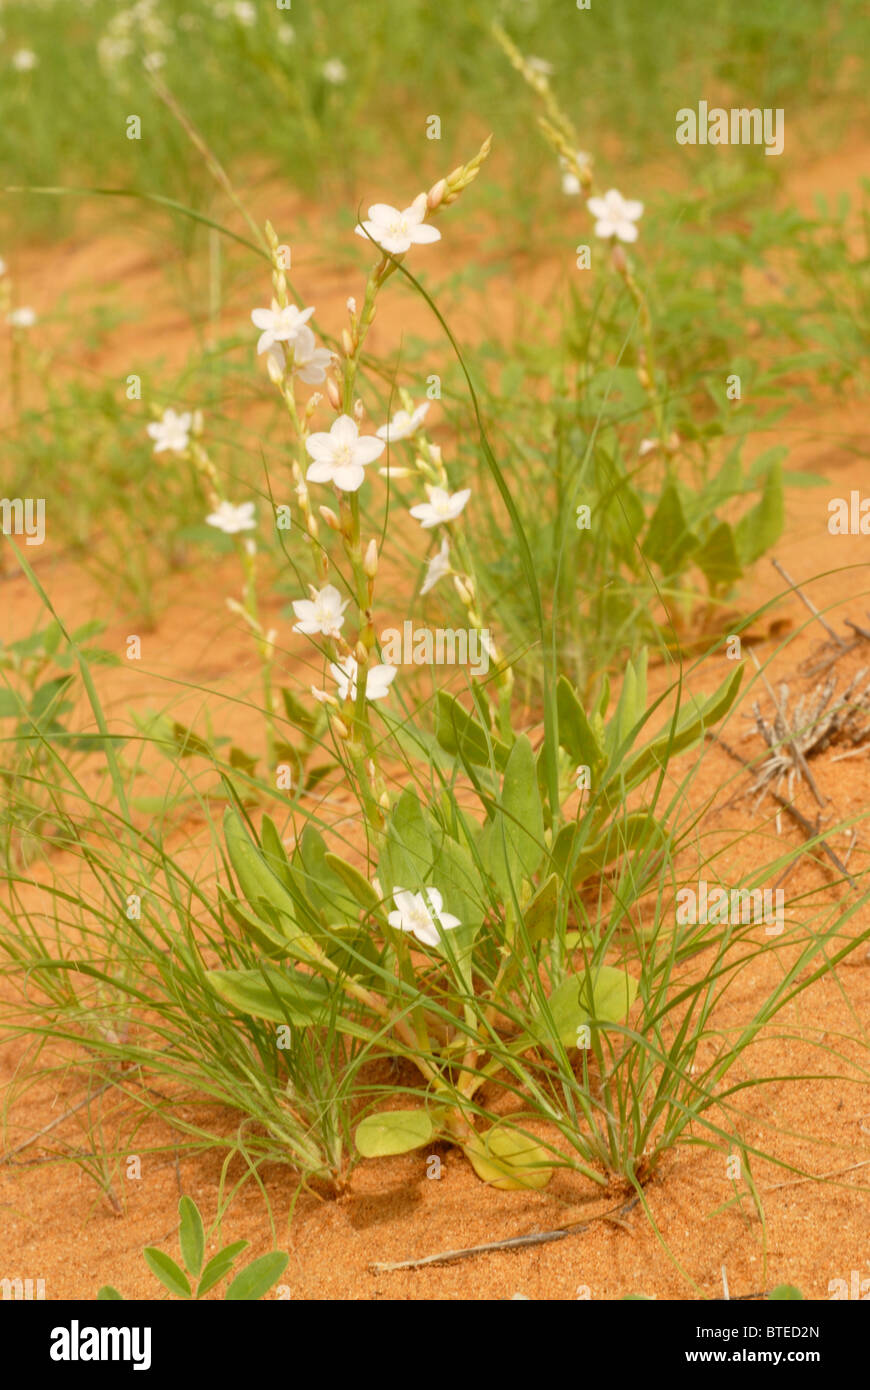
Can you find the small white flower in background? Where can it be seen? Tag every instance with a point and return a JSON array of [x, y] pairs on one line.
[[334, 71], [442, 506], [286, 33], [397, 231], [25, 60], [152, 62], [616, 215], [245, 12], [439, 565], [231, 519], [647, 446], [540, 66], [570, 182], [2, 266], [278, 325], [322, 613], [172, 432], [25, 317], [378, 679], [421, 914], [340, 456], [403, 424], [309, 361]]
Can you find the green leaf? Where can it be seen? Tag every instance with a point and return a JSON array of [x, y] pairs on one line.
[[717, 558], [786, 1293], [631, 706], [47, 695], [219, 1266], [191, 1235], [669, 542], [407, 856], [394, 1132], [460, 734], [357, 883], [575, 732], [611, 995], [540, 917], [283, 996], [107, 1292], [565, 1011], [10, 706], [691, 724], [274, 852], [512, 844], [761, 527], [167, 1271], [507, 1159], [298, 714], [257, 1278]]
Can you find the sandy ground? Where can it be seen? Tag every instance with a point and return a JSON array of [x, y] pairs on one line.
[[55, 1224]]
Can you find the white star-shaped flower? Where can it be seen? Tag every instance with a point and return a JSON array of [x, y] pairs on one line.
[[442, 506], [231, 519], [278, 325], [378, 679], [439, 565], [397, 231], [341, 455], [616, 215], [403, 424], [321, 613], [309, 361], [172, 432], [422, 915]]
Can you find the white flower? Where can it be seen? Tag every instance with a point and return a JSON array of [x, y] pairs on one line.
[[540, 65], [403, 424], [245, 12], [231, 520], [323, 613], [334, 71], [278, 325], [25, 317], [25, 60], [309, 361], [439, 565], [647, 446], [152, 62], [421, 914], [286, 33], [397, 231], [172, 432], [442, 506], [378, 679], [616, 215], [340, 456]]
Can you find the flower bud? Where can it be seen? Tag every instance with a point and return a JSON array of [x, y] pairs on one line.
[[313, 403], [333, 393], [275, 370], [340, 727], [370, 562], [359, 411], [311, 525], [436, 194], [617, 256], [362, 657], [351, 305], [330, 518], [461, 590], [347, 343]]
